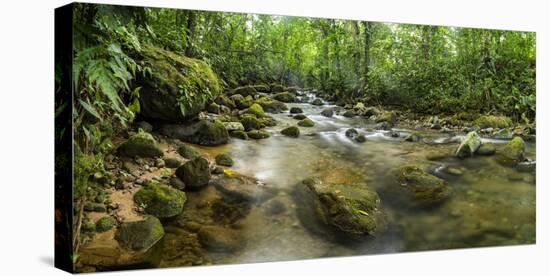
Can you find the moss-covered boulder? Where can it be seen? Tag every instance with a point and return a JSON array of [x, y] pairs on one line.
[[245, 91], [105, 224], [469, 145], [241, 102], [264, 88], [413, 186], [317, 102], [300, 116], [487, 121], [224, 100], [174, 77], [141, 144], [213, 108], [271, 105], [327, 112], [276, 88], [285, 97], [209, 134], [195, 173], [188, 151], [233, 126], [291, 131], [306, 123], [387, 116], [514, 151], [296, 110], [250, 122], [352, 133], [160, 200], [258, 134], [268, 121], [224, 160], [256, 110], [140, 235], [352, 209], [239, 134]]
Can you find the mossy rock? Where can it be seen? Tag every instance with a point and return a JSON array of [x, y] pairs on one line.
[[250, 122], [291, 131], [268, 121], [245, 91], [306, 123], [296, 110], [195, 173], [233, 126], [469, 145], [213, 108], [140, 235], [240, 102], [300, 117], [258, 134], [105, 224], [360, 138], [487, 121], [209, 134], [239, 134], [188, 152], [141, 144], [349, 114], [414, 186], [352, 133], [271, 105], [317, 102], [225, 101], [285, 97], [387, 116], [224, 160], [264, 88], [160, 200], [95, 207], [513, 152], [256, 110], [352, 209], [88, 226], [276, 88], [327, 112], [486, 149], [172, 78]]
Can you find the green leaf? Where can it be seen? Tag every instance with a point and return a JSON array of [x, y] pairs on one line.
[[88, 107]]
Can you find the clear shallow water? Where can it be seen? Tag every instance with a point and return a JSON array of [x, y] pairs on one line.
[[491, 205]]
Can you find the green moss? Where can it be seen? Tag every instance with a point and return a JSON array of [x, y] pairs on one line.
[[296, 110], [256, 110], [239, 134], [419, 187], [225, 100], [271, 105], [250, 122], [277, 87], [291, 131], [258, 134], [209, 134], [387, 116], [188, 151], [178, 87], [105, 224], [244, 90], [194, 173], [300, 116], [160, 200], [268, 121], [487, 121], [224, 160], [141, 144], [306, 123], [284, 97], [213, 108], [140, 235], [469, 145], [514, 150]]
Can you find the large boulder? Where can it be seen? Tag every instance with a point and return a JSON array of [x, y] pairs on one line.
[[271, 105], [317, 102], [352, 209], [415, 187], [285, 97], [291, 131], [491, 121], [241, 188], [195, 173], [141, 144], [250, 122], [387, 116], [160, 200], [244, 90], [225, 101], [173, 77], [204, 132], [140, 235], [513, 152], [469, 145], [256, 110]]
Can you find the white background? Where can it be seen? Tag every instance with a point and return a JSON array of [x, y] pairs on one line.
[[26, 133]]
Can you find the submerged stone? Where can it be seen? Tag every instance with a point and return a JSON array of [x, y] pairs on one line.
[[414, 186], [486, 149], [327, 112], [220, 239], [140, 235], [300, 117]]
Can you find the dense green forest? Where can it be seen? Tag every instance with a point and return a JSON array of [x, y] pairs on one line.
[[220, 72]]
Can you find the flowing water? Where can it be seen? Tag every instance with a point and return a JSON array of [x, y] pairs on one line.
[[491, 204]]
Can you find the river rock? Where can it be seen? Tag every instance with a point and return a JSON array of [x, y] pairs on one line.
[[317, 102], [239, 134], [244, 91], [188, 152], [491, 121], [350, 209], [285, 97], [233, 126], [349, 114], [195, 173], [220, 239], [242, 188], [327, 112], [360, 138], [513, 152], [172, 162], [224, 100], [145, 126], [274, 88], [177, 183], [383, 126], [469, 145], [250, 122], [241, 102], [291, 131], [271, 105], [213, 108], [140, 235], [306, 123], [141, 144], [300, 117], [296, 110], [258, 134], [387, 116], [160, 200], [256, 110], [105, 223], [413, 137], [486, 149], [413, 186], [203, 132], [268, 121], [224, 160], [351, 133]]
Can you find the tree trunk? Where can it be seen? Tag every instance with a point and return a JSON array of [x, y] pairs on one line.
[[367, 29], [191, 24]]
